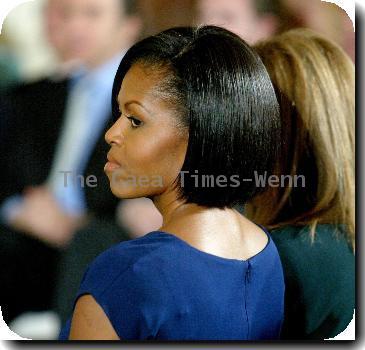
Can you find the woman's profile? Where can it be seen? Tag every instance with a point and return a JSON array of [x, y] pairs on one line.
[[313, 223], [195, 116]]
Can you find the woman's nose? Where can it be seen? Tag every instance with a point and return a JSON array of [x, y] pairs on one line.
[[114, 134]]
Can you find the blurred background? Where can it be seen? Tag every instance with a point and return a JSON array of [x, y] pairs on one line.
[[24, 45], [45, 47]]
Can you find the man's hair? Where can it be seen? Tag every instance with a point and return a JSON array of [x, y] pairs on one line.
[[223, 97], [130, 7], [267, 6]]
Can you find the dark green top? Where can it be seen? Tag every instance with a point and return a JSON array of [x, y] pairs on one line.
[[319, 279]]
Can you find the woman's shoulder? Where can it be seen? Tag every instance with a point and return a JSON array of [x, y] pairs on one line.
[[305, 257], [292, 236], [123, 277], [138, 260], [319, 278], [124, 255]]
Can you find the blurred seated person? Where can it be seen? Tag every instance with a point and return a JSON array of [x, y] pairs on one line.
[[55, 28], [53, 183]]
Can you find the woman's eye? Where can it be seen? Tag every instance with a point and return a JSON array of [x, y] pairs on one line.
[[134, 122]]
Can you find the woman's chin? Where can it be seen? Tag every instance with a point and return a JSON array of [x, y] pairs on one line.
[[123, 193], [128, 193]]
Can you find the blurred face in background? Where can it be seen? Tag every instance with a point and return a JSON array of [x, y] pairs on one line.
[[55, 25], [90, 30], [238, 16]]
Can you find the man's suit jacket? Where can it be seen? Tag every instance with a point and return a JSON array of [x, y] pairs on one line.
[[27, 153]]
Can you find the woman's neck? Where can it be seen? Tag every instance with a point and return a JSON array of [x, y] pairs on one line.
[[173, 209], [180, 217], [222, 232]]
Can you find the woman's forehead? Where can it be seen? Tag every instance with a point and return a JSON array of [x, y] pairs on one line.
[[146, 85]]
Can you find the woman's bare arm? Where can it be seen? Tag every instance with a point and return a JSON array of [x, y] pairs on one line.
[[89, 321]]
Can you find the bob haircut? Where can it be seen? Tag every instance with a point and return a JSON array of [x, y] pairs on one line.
[[315, 80], [223, 97]]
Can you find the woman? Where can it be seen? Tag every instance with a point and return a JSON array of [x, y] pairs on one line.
[[313, 217], [184, 102]]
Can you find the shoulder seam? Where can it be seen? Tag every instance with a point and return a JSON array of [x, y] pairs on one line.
[[126, 269]]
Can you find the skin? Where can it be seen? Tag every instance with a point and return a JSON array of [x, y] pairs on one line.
[[158, 146], [140, 151], [39, 215], [152, 218], [89, 322], [238, 16], [93, 31], [54, 25]]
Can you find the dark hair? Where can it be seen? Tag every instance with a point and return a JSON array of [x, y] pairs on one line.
[[129, 7], [267, 6], [226, 101]]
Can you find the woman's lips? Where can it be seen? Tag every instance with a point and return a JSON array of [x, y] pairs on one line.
[[110, 166]]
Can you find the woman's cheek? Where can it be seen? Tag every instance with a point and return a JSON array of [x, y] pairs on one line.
[[159, 155], [148, 151]]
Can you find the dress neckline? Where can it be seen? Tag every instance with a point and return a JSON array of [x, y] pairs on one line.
[[213, 256]]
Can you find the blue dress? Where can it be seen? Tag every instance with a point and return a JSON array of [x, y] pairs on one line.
[[160, 287]]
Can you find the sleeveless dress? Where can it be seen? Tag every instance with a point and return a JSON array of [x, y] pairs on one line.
[[160, 287]]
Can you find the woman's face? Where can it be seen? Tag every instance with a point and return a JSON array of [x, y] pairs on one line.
[[147, 148]]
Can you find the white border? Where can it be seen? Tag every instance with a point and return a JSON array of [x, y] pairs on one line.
[[7, 5], [349, 7]]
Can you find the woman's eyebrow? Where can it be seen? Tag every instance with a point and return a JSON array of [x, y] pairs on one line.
[[128, 103]]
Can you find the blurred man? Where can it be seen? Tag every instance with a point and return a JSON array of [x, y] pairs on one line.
[[246, 18], [55, 27], [57, 131]]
